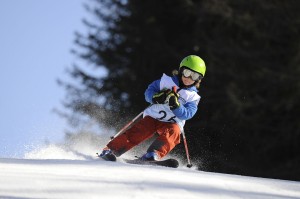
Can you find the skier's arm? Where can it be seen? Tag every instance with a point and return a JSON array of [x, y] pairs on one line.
[[153, 88], [187, 111]]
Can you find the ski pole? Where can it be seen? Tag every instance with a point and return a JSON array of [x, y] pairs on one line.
[[127, 125], [189, 165]]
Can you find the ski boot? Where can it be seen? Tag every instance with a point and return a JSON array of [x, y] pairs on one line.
[[150, 156], [107, 154]]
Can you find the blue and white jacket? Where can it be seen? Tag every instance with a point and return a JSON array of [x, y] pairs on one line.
[[188, 100]]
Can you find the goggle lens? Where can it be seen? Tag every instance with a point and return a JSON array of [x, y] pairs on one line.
[[188, 73]]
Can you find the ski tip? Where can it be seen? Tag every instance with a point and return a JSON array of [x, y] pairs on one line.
[[173, 163]]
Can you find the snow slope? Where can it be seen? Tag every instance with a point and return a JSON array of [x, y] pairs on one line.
[[71, 170], [28, 178]]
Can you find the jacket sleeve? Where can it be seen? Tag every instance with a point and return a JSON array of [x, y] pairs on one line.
[[187, 111], [153, 88]]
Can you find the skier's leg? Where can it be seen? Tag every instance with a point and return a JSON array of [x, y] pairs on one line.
[[139, 132], [169, 137]]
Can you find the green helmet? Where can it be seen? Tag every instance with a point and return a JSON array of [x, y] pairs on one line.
[[194, 63]]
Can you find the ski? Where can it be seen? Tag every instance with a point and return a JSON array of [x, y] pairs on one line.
[[173, 163]]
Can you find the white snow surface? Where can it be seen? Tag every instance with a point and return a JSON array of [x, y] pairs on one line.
[[72, 171]]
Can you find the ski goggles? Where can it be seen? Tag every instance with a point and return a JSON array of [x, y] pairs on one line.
[[188, 73]]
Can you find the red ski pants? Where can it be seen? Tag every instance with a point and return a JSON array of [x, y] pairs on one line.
[[169, 137]]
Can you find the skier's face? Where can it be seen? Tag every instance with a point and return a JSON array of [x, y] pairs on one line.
[[187, 81]]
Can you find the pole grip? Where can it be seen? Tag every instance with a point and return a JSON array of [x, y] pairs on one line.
[[174, 89]]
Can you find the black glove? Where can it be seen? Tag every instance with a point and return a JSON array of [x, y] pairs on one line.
[[160, 97], [173, 100]]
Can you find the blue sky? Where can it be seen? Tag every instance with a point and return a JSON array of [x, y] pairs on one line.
[[35, 42]]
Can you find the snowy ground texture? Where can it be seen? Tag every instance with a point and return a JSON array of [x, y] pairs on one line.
[[62, 172]]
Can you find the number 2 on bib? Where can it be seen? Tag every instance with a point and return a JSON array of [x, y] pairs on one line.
[[164, 115]]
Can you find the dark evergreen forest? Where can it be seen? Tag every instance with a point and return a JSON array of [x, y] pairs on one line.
[[248, 119]]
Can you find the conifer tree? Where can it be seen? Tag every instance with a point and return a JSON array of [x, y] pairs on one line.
[[248, 118]]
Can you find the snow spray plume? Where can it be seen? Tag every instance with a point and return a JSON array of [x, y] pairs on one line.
[[76, 146]]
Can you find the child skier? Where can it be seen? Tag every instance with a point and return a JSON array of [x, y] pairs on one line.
[[174, 100]]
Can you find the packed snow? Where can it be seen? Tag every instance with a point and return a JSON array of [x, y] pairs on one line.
[[73, 171]]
